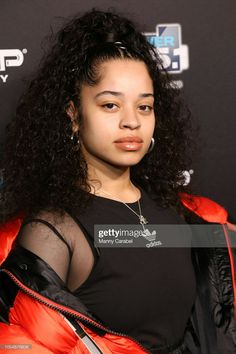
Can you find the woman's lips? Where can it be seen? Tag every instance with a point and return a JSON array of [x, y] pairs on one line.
[[129, 143]]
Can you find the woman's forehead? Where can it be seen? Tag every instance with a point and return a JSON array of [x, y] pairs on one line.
[[122, 75]]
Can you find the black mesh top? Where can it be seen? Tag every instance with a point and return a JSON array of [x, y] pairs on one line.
[[147, 293]]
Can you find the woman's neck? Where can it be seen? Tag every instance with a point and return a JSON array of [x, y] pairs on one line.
[[113, 183]]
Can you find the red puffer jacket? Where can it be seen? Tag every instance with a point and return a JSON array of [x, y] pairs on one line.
[[39, 315]]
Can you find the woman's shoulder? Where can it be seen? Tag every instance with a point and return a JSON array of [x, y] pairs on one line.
[[50, 225], [50, 235]]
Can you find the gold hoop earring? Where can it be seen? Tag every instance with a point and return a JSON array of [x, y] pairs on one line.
[[151, 146], [74, 138]]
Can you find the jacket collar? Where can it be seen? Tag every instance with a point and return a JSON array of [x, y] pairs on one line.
[[35, 277]]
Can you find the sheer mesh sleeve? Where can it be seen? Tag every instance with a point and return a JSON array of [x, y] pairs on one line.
[[60, 242]]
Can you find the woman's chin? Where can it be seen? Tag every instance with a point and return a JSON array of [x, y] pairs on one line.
[[126, 162]]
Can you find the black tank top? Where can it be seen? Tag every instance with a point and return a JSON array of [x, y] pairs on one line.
[[146, 293]]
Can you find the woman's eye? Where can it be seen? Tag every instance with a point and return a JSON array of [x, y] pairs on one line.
[[110, 106], [145, 108]]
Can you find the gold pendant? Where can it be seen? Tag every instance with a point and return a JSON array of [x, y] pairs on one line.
[[143, 220]]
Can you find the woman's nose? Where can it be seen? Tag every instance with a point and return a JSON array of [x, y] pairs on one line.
[[130, 119]]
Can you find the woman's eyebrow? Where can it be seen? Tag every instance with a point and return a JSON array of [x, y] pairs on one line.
[[115, 93]]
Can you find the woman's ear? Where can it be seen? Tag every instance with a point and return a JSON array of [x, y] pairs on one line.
[[72, 113]]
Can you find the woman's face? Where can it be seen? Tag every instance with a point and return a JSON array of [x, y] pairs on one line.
[[117, 113]]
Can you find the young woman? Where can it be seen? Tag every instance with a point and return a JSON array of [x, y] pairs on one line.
[[102, 137]]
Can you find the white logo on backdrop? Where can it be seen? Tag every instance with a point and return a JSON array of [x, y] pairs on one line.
[[187, 176], [10, 58]]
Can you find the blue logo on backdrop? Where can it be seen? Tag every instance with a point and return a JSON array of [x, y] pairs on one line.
[[168, 43]]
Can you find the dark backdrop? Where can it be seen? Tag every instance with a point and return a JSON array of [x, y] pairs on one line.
[[208, 29]]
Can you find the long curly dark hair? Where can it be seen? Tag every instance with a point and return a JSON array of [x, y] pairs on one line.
[[42, 169]]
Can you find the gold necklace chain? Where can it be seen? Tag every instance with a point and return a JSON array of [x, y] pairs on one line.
[[142, 219]]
